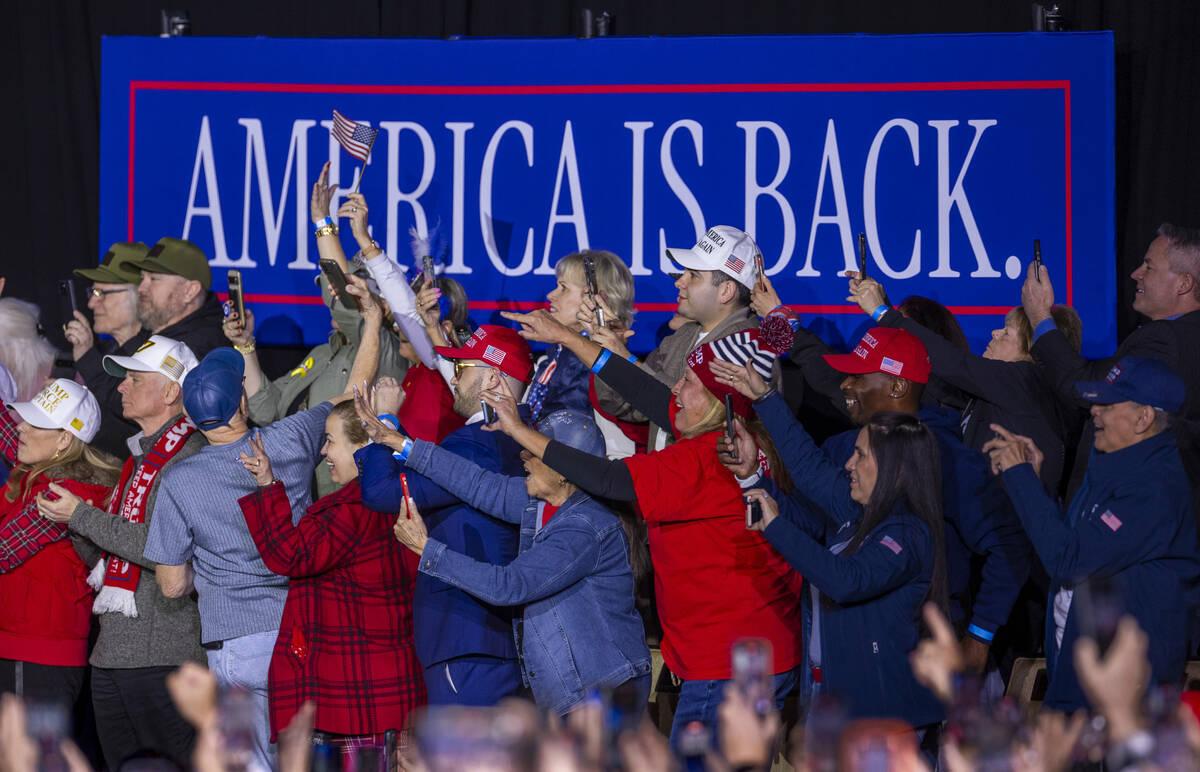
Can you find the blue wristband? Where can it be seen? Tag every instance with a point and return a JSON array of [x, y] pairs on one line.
[[633, 359], [402, 454], [389, 417], [879, 311], [324, 222], [601, 360], [980, 633]]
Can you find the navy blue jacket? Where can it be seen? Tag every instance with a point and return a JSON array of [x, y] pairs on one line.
[[567, 383], [447, 621], [870, 600], [979, 522], [1130, 521]]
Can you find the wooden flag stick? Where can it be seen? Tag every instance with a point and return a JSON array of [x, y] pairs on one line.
[[364, 165]]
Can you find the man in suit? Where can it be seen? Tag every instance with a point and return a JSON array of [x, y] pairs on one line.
[[1168, 293], [465, 645]]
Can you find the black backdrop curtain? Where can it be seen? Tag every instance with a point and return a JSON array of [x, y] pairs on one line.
[[49, 169]]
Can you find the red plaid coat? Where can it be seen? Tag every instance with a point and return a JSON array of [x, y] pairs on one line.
[[346, 638]]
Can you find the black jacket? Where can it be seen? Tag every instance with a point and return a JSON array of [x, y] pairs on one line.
[[1175, 342], [114, 429], [200, 330]]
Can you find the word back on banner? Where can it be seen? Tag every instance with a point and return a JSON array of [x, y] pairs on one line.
[[951, 153]]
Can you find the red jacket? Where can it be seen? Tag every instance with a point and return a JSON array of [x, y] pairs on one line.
[[45, 600], [346, 637], [714, 580]]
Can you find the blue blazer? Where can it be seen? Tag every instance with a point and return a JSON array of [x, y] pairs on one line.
[[1130, 521], [579, 629], [447, 621]]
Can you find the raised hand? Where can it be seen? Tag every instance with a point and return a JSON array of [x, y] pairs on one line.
[[867, 293], [743, 379], [747, 740], [355, 210], [322, 194], [1116, 683], [508, 419], [613, 340], [79, 334], [1007, 450], [540, 326], [763, 298], [937, 659], [193, 689], [770, 508], [368, 304], [738, 454], [1037, 296], [427, 304], [386, 396], [239, 334], [377, 430], [258, 464], [410, 529]]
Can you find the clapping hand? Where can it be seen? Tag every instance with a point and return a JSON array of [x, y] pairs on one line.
[[259, 464]]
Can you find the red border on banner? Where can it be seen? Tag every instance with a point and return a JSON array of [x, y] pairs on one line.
[[619, 88]]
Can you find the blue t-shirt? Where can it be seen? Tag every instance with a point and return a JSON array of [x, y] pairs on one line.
[[197, 518]]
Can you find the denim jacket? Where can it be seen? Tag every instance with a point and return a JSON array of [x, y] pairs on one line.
[[579, 630]]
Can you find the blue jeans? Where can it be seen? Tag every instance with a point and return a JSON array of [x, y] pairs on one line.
[[243, 662], [698, 701]]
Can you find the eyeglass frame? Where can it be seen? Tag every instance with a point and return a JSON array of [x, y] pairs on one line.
[[462, 364], [95, 292]]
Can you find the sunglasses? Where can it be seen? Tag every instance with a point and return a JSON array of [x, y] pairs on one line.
[[460, 365]]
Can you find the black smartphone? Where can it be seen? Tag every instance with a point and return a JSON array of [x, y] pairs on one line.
[[428, 269], [589, 275], [489, 412], [753, 512], [729, 427], [862, 256], [1037, 259], [235, 295], [68, 301], [337, 281]]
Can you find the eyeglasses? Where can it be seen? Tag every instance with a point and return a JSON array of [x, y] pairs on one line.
[[460, 365], [96, 292]]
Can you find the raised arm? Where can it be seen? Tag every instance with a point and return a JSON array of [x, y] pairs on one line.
[[492, 493]]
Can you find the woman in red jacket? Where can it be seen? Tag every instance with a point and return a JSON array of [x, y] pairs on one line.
[[44, 594], [346, 638]]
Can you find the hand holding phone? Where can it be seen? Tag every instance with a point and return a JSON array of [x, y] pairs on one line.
[[589, 275], [1037, 259], [729, 430], [337, 282], [428, 269], [236, 297], [489, 412], [862, 256]]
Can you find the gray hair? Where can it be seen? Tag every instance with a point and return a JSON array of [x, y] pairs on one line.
[[1184, 252], [23, 349]]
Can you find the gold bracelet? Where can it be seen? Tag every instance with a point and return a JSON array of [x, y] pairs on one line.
[[327, 230], [245, 349]]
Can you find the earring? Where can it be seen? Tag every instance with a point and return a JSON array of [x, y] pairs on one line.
[[57, 453]]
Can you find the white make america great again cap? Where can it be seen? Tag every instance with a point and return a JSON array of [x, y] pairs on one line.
[[62, 405], [725, 249], [168, 356]]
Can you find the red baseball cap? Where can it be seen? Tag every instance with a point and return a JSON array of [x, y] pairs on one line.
[[498, 346], [888, 350]]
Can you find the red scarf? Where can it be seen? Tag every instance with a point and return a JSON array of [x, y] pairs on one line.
[[115, 578]]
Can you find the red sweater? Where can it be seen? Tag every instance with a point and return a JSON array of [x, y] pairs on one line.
[[346, 637], [714, 580], [44, 594], [428, 409]]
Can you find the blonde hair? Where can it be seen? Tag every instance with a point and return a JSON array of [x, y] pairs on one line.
[[80, 462], [1065, 319], [713, 420], [613, 280], [23, 349]]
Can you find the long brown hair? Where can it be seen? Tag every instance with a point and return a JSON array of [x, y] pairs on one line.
[[80, 462]]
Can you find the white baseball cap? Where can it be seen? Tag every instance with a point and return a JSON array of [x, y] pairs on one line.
[[63, 405], [168, 356], [725, 249]]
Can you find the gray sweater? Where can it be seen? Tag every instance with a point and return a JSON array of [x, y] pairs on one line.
[[166, 631]]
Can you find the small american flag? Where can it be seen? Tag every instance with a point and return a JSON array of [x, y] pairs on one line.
[[494, 355], [1111, 520], [891, 544], [735, 264], [357, 138]]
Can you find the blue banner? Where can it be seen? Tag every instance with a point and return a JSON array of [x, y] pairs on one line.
[[951, 152]]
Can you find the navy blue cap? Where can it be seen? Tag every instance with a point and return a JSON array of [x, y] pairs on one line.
[[1142, 380], [212, 391], [574, 430]]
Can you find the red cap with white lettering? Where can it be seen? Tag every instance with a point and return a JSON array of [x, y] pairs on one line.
[[888, 350]]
